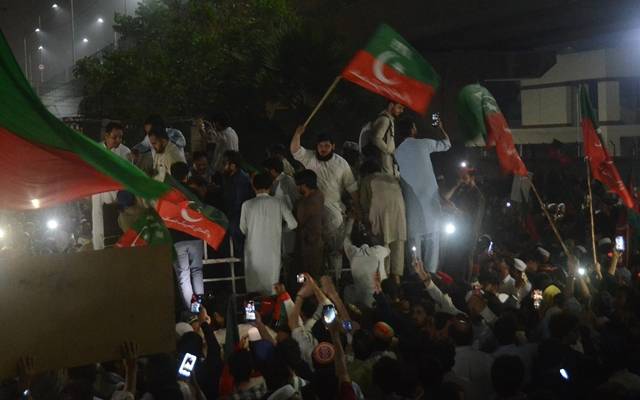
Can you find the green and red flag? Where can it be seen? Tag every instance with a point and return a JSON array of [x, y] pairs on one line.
[[183, 211], [479, 114], [147, 230], [43, 161], [391, 67], [601, 164]]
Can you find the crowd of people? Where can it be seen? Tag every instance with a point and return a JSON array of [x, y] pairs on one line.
[[355, 294]]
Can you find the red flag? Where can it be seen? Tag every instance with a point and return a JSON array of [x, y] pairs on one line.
[[480, 115], [602, 167], [390, 67], [185, 213]]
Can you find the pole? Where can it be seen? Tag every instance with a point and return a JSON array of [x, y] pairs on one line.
[[125, 7], [26, 62], [41, 53], [73, 36], [590, 199], [553, 225], [322, 100]]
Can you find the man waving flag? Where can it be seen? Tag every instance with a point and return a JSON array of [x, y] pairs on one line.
[[602, 167], [390, 67]]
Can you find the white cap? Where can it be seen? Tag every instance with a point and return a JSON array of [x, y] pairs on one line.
[[543, 252], [519, 264], [581, 249], [604, 241], [182, 328], [254, 334]]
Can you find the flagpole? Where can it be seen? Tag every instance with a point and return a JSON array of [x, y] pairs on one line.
[[322, 100], [590, 198], [553, 225]]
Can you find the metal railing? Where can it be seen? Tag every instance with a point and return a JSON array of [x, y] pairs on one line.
[[231, 260]]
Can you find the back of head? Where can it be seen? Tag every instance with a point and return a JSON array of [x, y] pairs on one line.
[[362, 344], [241, 366], [198, 155], [278, 373], [505, 329], [324, 137], [325, 384], [307, 178], [221, 118], [160, 375], [277, 149], [370, 166], [461, 332], [273, 163], [562, 324], [262, 181], [159, 131], [180, 171], [154, 119], [507, 375], [190, 343], [403, 129], [233, 157]]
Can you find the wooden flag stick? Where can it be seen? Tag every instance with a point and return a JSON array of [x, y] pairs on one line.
[[590, 199], [553, 225], [322, 100]]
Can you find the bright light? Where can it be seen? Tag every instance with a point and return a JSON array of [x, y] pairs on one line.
[[564, 374], [54, 5], [35, 203], [52, 224], [508, 204], [414, 249], [85, 40], [449, 228], [581, 271], [37, 30], [463, 164], [100, 20], [3, 233], [40, 48]]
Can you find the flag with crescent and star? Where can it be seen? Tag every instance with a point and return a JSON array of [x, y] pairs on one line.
[[601, 164], [479, 114], [183, 211], [390, 67], [147, 230]]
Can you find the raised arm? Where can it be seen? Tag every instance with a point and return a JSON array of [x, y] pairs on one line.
[[295, 140]]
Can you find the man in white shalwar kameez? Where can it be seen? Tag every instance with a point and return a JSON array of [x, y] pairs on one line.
[[113, 134], [261, 222], [420, 190]]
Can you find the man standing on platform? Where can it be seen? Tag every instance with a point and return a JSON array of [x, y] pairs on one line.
[[334, 177], [310, 211], [261, 222]]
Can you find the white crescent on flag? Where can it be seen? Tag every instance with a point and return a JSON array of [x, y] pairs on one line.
[[184, 213], [378, 67]]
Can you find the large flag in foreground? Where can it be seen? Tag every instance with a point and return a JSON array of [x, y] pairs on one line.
[[390, 67], [602, 167], [43, 161], [147, 230], [479, 114], [184, 212]]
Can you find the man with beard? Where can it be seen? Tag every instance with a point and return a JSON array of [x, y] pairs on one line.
[[383, 136], [334, 177]]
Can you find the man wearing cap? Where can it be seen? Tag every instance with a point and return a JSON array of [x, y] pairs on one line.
[[334, 177], [514, 280]]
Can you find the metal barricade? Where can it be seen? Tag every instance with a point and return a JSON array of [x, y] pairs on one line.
[[231, 260]]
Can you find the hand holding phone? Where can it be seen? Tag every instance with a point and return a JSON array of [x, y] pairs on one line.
[[435, 120], [196, 303], [536, 295], [300, 278], [187, 365], [329, 314], [620, 247], [250, 311]]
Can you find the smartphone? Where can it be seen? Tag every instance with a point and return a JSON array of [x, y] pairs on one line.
[[348, 327], [250, 311], [300, 278], [414, 250], [582, 271], [536, 295], [564, 374], [490, 249], [187, 365], [619, 243], [196, 303], [329, 313], [435, 120]]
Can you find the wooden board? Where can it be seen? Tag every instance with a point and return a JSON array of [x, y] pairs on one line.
[[75, 309]]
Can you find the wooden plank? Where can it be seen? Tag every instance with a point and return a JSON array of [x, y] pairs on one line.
[[75, 309]]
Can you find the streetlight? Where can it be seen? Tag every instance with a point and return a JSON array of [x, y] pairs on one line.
[[85, 40], [54, 6], [37, 30], [40, 48], [100, 20]]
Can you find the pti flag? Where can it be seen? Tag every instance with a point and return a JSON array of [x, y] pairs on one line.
[[602, 167], [184, 212], [390, 67], [147, 230], [479, 114], [44, 162]]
